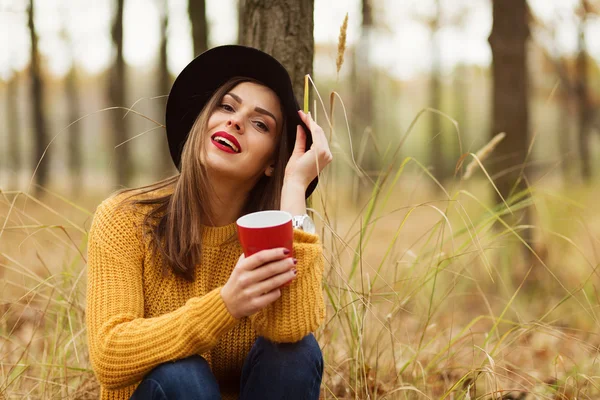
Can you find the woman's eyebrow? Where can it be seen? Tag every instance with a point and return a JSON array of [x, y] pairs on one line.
[[257, 109]]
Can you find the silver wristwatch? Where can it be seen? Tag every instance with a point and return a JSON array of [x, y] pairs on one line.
[[304, 223]]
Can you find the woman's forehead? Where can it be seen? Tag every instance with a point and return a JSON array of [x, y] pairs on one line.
[[257, 95]]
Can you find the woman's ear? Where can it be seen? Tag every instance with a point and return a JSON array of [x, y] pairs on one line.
[[269, 170]]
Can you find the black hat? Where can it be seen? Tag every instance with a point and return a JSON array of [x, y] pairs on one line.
[[206, 73]]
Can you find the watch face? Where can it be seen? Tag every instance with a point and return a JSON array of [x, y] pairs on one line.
[[308, 225]]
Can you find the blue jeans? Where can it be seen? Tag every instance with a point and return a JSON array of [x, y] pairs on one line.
[[270, 371]]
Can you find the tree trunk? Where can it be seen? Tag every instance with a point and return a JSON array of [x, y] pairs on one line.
[[362, 80], [564, 133], [74, 131], [435, 95], [197, 13], [461, 113], [583, 102], [284, 29], [164, 164], [37, 103], [14, 133], [240, 10], [123, 167], [508, 40]]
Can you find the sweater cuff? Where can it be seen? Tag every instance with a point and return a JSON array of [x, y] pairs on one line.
[[303, 237], [211, 310]]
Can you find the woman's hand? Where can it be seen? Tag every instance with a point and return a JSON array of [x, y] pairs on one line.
[[255, 281], [304, 166]]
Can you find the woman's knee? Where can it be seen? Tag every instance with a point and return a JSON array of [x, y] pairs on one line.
[[189, 376], [304, 352]]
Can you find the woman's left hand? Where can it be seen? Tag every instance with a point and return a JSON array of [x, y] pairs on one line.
[[304, 165]]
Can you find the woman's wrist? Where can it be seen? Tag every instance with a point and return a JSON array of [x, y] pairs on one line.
[[293, 198]]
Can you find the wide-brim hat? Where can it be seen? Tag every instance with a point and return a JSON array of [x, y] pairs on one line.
[[198, 81]]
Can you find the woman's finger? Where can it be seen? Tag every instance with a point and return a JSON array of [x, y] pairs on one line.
[[274, 268], [318, 135], [275, 282], [300, 145], [263, 257]]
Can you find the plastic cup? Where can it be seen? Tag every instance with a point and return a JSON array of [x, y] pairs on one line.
[[264, 230]]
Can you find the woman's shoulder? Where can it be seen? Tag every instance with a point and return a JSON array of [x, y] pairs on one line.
[[129, 205]]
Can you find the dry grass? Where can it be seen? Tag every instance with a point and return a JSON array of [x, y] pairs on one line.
[[431, 294]]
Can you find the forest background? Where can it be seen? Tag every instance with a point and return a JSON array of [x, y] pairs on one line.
[[459, 218]]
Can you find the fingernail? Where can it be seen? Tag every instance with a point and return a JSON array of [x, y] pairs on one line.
[[286, 252], [294, 271], [294, 261]]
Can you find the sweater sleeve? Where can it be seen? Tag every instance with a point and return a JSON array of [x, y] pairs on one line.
[[123, 345], [300, 310]]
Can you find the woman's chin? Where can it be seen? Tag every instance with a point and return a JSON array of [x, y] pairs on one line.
[[223, 168]]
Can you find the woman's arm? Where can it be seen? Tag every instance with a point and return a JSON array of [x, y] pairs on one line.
[[124, 345]]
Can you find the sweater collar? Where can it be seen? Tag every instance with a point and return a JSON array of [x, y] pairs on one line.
[[217, 235]]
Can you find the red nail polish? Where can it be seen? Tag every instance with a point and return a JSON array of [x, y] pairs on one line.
[[294, 261], [294, 271], [286, 252]]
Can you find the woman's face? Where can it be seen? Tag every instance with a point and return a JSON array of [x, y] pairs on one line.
[[243, 132]]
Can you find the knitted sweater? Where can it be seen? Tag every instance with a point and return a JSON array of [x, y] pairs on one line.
[[137, 318]]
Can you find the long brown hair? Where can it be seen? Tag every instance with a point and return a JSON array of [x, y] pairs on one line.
[[174, 222]]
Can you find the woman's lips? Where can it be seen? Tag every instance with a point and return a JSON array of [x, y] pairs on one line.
[[223, 147], [226, 142]]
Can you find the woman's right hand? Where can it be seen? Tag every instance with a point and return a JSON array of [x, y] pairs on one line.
[[255, 281]]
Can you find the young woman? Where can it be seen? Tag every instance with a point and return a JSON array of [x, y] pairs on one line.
[[173, 310]]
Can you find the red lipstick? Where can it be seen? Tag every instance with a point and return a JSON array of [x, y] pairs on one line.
[[226, 142]]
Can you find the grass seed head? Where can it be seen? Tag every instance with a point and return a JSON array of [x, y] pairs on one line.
[[342, 44], [483, 153]]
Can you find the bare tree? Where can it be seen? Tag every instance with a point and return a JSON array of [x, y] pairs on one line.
[[197, 13], [12, 118], [510, 32], [435, 96], [582, 97], [74, 113], [75, 149], [37, 103], [363, 79], [510, 111], [284, 29], [164, 163], [116, 92], [240, 11]]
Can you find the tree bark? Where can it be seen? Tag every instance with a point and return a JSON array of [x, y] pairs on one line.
[[583, 102], [123, 164], [37, 103], [283, 29], [164, 164], [508, 39], [197, 13], [74, 144], [564, 130], [435, 95], [362, 122], [12, 115], [240, 10], [461, 113]]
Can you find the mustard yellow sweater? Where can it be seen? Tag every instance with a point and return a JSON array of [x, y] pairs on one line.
[[137, 318]]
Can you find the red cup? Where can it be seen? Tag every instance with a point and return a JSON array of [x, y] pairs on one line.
[[264, 230]]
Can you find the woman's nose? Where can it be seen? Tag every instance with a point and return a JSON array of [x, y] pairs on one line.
[[231, 123]]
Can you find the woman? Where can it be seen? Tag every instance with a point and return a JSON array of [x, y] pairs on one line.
[[173, 310]]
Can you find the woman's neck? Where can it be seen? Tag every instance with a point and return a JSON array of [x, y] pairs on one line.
[[226, 200]]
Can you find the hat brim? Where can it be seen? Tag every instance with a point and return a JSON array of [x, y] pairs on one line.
[[198, 81]]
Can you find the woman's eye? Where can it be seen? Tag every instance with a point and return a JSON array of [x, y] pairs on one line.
[[262, 126], [226, 107]]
